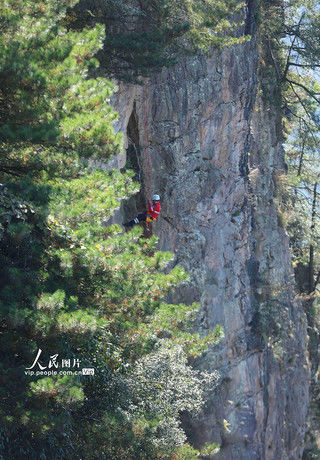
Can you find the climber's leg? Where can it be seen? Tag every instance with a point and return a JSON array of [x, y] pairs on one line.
[[140, 218]]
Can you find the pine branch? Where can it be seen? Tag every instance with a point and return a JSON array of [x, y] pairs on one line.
[[312, 66], [313, 95], [291, 47], [301, 101]]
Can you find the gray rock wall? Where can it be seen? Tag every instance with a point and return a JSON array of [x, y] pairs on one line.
[[215, 157]]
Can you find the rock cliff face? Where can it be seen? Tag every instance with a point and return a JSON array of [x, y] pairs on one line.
[[216, 159]]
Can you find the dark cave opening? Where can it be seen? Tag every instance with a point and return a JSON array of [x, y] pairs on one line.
[[137, 203]]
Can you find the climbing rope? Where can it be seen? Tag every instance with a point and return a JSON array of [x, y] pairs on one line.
[[146, 146]]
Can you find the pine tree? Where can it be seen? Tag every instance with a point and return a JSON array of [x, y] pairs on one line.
[[71, 288], [298, 72], [142, 37]]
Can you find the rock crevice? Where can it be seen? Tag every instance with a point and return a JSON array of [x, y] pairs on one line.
[[214, 153]]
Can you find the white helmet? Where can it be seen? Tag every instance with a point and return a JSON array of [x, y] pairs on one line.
[[156, 197]]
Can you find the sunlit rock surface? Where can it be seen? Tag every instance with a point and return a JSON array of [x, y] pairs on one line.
[[215, 156]]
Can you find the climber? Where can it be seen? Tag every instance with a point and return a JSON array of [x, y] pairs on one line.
[[151, 215]]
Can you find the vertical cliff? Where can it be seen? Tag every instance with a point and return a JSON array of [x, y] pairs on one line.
[[216, 158]]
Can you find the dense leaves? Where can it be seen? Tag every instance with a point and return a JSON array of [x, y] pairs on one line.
[[75, 293], [144, 36], [45, 93]]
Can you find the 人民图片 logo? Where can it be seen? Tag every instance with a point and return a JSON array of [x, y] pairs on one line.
[[64, 366]]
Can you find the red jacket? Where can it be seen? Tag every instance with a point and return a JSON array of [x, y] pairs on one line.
[[154, 210]]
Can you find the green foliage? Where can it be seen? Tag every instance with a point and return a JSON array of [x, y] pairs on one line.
[[290, 53], [302, 154], [149, 35], [271, 316], [294, 57], [175, 322], [302, 25], [69, 286], [291, 58], [210, 449], [304, 231], [269, 19], [186, 452], [48, 97], [66, 390]]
